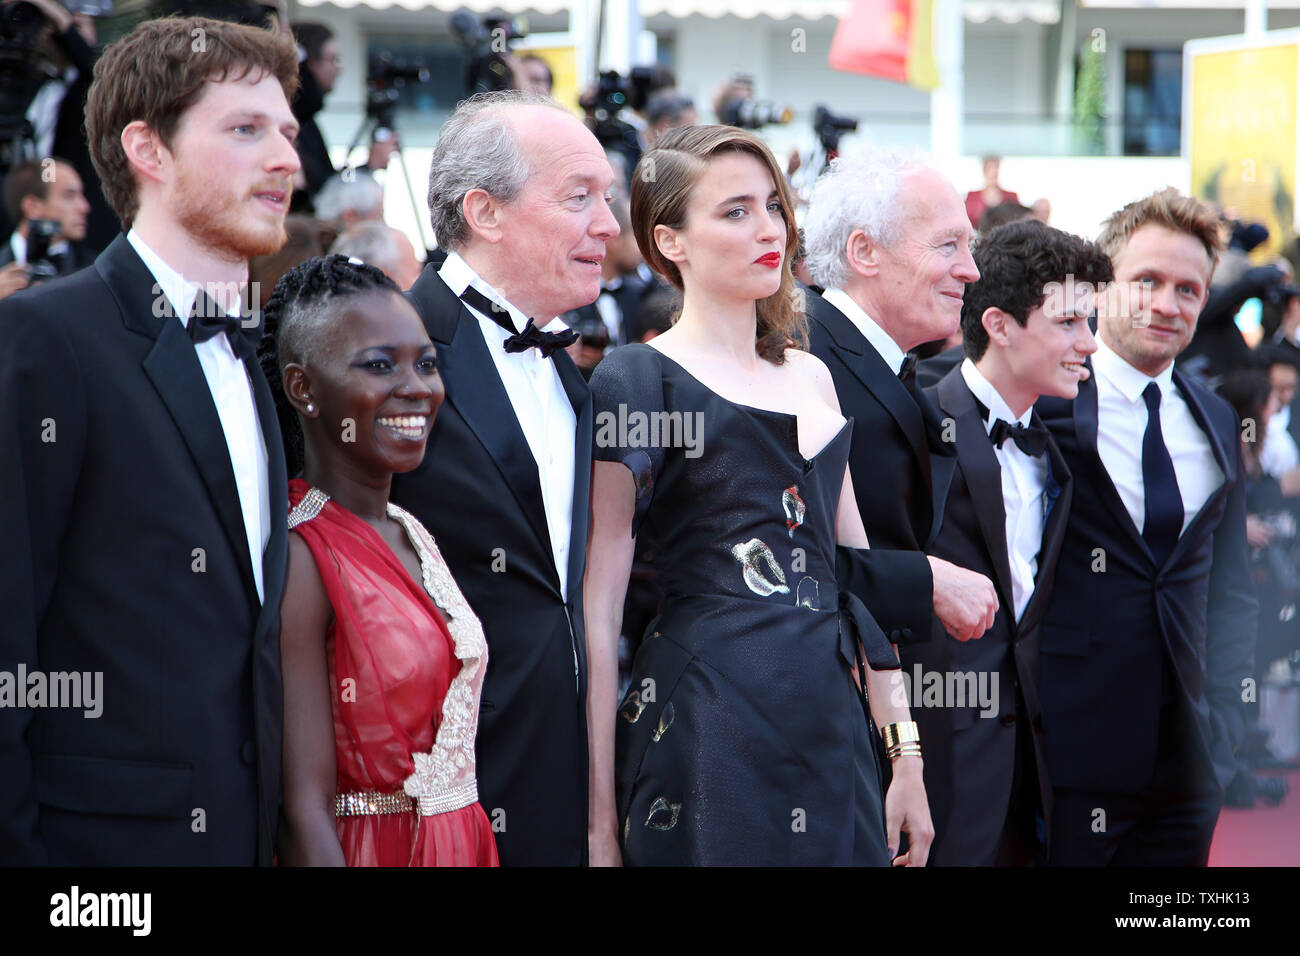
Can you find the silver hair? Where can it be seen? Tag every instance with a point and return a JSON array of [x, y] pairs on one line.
[[354, 191], [857, 192], [371, 242], [476, 149]]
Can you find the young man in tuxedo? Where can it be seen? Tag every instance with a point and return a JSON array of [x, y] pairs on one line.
[[142, 484], [888, 240], [1025, 333], [519, 194], [1147, 646]]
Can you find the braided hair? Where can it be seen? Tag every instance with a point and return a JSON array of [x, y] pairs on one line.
[[295, 323]]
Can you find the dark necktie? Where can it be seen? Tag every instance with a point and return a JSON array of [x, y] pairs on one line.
[[1163, 501], [531, 337], [1031, 438], [207, 321]]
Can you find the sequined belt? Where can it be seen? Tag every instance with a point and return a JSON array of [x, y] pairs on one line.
[[373, 803]]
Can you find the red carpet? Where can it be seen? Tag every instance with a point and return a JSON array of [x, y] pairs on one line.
[[1261, 836]]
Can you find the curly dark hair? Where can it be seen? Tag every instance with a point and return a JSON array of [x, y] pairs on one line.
[[1017, 262], [295, 322]]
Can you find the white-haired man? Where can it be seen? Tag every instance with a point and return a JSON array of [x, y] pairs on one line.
[[888, 239], [383, 247], [349, 198], [519, 194]]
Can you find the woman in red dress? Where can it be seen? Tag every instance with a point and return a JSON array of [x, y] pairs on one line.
[[382, 658]]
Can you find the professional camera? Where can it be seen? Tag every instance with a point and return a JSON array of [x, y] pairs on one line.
[[592, 331], [487, 41], [753, 114], [829, 128], [613, 92], [384, 82], [40, 232]]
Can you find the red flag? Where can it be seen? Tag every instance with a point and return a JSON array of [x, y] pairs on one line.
[[891, 39]]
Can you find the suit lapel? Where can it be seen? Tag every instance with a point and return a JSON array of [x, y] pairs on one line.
[[173, 367], [273, 560], [579, 394], [1053, 532], [983, 474], [858, 355], [475, 390], [1225, 462]]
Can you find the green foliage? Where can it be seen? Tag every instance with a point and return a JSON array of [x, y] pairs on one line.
[[1090, 101]]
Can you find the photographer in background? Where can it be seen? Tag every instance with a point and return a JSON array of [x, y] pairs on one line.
[[67, 45], [668, 109], [51, 217], [318, 70]]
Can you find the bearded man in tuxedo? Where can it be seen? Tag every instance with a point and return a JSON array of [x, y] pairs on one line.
[[142, 482]]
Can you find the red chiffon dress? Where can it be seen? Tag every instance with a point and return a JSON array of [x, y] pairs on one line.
[[406, 667]]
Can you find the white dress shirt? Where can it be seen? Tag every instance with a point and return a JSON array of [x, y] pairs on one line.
[[18, 246], [1024, 482], [232, 393], [541, 406], [878, 337], [1279, 453], [1122, 424]]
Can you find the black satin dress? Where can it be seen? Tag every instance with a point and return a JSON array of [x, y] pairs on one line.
[[742, 739]]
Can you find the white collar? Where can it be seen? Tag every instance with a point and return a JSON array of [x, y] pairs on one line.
[[880, 341], [180, 292], [458, 274], [1127, 380], [985, 392]]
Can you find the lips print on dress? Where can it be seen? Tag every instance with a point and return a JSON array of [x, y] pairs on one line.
[[758, 563], [794, 508], [663, 815]]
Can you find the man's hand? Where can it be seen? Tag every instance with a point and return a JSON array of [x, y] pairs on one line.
[[1258, 532], [907, 809], [12, 278], [381, 151], [965, 602]]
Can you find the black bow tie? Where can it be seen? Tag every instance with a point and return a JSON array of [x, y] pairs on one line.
[[531, 337], [207, 321], [907, 374], [1031, 439]]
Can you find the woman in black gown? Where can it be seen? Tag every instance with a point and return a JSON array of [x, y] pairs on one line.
[[742, 738]]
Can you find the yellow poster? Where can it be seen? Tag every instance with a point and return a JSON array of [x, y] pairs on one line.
[[1241, 109], [563, 61]]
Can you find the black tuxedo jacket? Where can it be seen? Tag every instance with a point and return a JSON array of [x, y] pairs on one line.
[[901, 468], [970, 757], [1117, 617], [125, 554], [479, 493]]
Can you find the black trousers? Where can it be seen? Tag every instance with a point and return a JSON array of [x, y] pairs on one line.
[[1169, 823]]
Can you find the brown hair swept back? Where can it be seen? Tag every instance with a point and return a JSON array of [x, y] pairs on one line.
[[1167, 208], [661, 189], [157, 72]]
